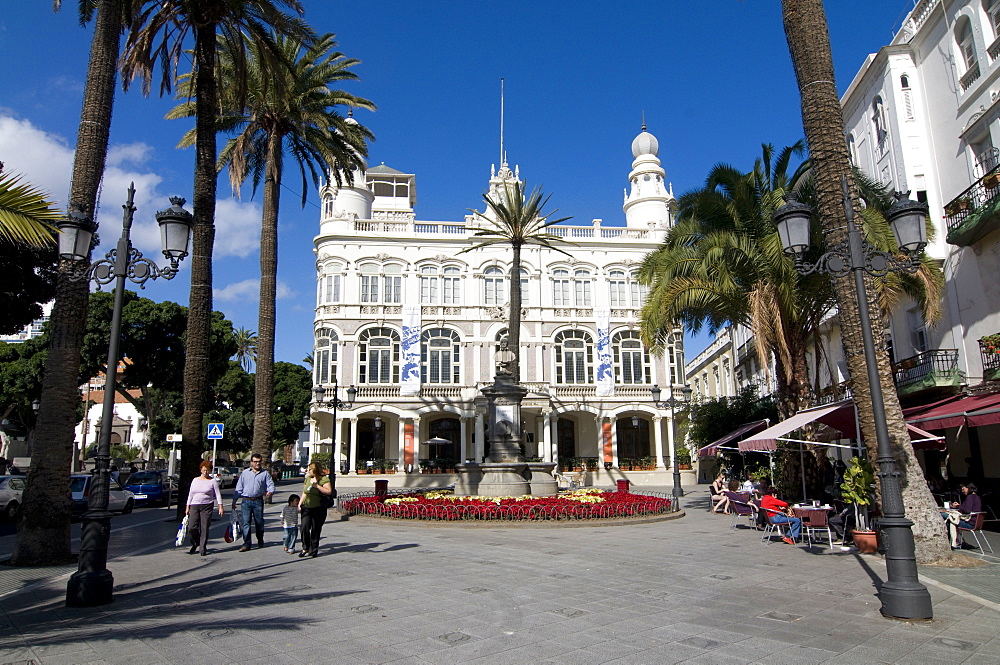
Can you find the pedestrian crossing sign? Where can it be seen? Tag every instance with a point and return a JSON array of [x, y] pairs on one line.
[[215, 430]]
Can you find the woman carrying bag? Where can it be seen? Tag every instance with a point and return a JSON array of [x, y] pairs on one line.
[[317, 499], [203, 495]]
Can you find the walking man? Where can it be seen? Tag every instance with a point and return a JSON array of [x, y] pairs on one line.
[[255, 484]]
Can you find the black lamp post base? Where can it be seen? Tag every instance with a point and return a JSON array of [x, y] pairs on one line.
[[909, 602], [90, 589]]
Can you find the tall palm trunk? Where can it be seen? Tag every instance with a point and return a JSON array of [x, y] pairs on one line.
[[809, 44], [43, 526], [264, 380], [514, 333], [196, 362]]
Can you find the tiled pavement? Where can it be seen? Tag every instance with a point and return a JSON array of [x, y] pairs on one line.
[[688, 590]]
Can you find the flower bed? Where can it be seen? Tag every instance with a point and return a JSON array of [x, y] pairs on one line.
[[442, 505]]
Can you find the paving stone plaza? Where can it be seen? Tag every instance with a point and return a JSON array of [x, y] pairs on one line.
[[687, 590]]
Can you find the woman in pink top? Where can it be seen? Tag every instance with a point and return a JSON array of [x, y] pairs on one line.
[[204, 493]]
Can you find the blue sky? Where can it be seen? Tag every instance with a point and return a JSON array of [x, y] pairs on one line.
[[714, 80]]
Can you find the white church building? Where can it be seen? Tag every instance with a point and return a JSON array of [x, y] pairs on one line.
[[413, 326]]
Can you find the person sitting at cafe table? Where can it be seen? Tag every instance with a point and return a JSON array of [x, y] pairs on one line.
[[778, 512], [961, 514]]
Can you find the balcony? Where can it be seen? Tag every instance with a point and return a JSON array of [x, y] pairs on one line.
[[928, 373], [989, 351], [974, 213], [969, 77]]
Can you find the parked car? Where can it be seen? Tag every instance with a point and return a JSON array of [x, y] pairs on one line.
[[119, 500], [224, 477], [10, 495], [149, 486]]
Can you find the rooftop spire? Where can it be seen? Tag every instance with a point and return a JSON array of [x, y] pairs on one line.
[[503, 155], [644, 120]]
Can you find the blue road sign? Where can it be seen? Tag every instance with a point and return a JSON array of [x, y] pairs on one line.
[[215, 430]]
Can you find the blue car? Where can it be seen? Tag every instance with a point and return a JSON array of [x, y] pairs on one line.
[[149, 487]]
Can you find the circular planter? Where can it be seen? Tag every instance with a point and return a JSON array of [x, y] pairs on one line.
[[865, 541]]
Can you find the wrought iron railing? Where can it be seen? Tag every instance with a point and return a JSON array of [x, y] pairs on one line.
[[982, 192], [989, 351], [915, 368]]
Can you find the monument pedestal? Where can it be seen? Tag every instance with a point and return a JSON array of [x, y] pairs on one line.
[[492, 479]]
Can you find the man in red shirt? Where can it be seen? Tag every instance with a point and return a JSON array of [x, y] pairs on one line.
[[776, 513]]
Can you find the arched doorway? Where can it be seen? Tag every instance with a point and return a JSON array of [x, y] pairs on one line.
[[449, 429], [633, 438], [565, 438]]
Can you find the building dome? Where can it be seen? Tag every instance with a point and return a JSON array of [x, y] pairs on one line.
[[645, 144]]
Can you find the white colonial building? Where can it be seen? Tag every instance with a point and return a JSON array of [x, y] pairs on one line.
[[413, 325]]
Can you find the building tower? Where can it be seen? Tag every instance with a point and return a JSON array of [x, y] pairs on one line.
[[650, 201]]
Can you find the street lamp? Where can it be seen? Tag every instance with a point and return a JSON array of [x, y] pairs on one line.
[[319, 394], [902, 595], [92, 583], [672, 404]]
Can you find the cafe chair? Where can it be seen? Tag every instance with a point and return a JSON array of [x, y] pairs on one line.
[[771, 528], [742, 509], [815, 522], [977, 530]]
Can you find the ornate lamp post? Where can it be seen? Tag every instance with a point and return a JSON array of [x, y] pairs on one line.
[[319, 395], [672, 404], [902, 595], [92, 583]]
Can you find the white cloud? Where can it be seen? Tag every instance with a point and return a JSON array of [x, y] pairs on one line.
[[46, 160], [249, 290], [237, 228]]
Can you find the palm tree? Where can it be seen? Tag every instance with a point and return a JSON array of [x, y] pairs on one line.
[[246, 348], [822, 118], [299, 117], [26, 213], [723, 263], [43, 534], [157, 37], [515, 220]]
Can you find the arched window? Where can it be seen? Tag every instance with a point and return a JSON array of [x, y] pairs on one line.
[[392, 283], [429, 285], [325, 356], [439, 356], [378, 356], [904, 85], [631, 359], [637, 290], [493, 287], [525, 291], [878, 120], [452, 285], [560, 288], [852, 150], [574, 357], [328, 206], [369, 282], [618, 285], [328, 290], [581, 288], [967, 43], [994, 14]]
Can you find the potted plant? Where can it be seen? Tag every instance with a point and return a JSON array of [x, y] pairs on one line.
[[991, 180], [684, 459], [856, 489]]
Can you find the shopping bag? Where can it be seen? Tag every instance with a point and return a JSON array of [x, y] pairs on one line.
[[228, 537], [182, 532], [237, 529]]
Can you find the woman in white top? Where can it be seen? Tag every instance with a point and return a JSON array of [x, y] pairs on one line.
[[203, 494]]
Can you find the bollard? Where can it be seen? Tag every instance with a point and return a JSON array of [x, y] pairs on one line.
[[381, 487], [623, 484]]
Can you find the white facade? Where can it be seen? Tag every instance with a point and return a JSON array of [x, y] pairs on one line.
[[413, 324], [923, 115]]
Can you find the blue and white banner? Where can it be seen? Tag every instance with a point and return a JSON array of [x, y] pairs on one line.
[[409, 380], [605, 373]]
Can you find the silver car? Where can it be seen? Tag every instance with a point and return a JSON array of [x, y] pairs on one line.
[[11, 488], [119, 500]]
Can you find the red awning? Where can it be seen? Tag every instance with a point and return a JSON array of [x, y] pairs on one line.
[[971, 410], [768, 439], [742, 430], [840, 416]]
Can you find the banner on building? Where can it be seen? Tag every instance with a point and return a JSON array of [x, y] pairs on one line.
[[605, 373], [409, 380]]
